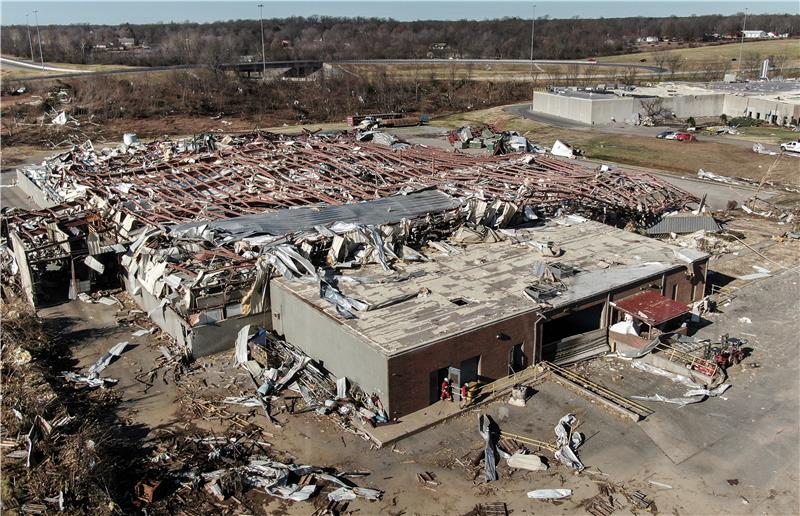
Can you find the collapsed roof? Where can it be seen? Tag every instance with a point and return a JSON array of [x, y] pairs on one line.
[[168, 182], [205, 224]]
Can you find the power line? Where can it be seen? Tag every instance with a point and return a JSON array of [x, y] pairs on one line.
[[263, 48], [38, 35], [30, 42]]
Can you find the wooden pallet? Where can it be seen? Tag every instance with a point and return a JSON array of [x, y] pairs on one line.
[[492, 509]]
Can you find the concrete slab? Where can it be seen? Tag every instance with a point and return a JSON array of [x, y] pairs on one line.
[[413, 423]]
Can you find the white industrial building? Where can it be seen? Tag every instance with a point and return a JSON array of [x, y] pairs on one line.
[[754, 34], [774, 102]]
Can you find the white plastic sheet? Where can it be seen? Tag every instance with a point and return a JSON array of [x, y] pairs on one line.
[[677, 378], [241, 345], [663, 399], [568, 441], [625, 327], [527, 462], [549, 494], [706, 392]]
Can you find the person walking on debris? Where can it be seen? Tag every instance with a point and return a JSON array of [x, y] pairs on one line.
[[446, 394], [464, 393]]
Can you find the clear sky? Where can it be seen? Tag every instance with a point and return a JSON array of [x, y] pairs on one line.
[[116, 12]]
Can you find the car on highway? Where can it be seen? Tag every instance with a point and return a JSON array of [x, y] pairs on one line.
[[666, 135], [685, 137], [791, 146]]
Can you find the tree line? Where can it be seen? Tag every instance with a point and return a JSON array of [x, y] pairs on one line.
[[332, 38]]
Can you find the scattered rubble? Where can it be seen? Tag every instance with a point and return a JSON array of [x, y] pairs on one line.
[[496, 141]]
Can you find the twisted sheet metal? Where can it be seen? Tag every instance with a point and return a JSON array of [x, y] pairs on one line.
[[261, 172]]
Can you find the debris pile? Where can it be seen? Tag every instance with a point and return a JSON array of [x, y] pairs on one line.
[[734, 180], [167, 182], [205, 219], [512, 448], [290, 368], [496, 141], [215, 468], [61, 447]]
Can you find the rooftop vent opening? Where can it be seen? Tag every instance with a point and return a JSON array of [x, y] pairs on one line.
[[566, 270], [460, 301]]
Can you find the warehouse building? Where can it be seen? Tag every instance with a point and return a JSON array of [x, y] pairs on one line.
[[482, 311], [776, 102]]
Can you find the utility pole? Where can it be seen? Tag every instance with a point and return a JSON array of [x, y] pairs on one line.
[[533, 30], [741, 45], [38, 35], [30, 41], [263, 48]]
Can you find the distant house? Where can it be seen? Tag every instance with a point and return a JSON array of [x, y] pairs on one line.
[[651, 39], [126, 42], [754, 34]]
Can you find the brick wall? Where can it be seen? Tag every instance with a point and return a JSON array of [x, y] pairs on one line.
[[409, 373], [409, 382]]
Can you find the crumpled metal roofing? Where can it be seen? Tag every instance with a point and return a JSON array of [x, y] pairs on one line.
[[651, 307], [282, 222], [683, 224], [165, 183]]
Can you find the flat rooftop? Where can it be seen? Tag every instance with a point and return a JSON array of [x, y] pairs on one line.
[[487, 281], [786, 91], [590, 95]]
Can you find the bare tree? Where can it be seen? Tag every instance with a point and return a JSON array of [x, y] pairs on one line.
[[751, 64], [674, 63], [572, 73], [654, 108], [630, 76], [660, 58]]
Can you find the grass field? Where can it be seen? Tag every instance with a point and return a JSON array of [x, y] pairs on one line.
[[717, 53], [461, 71], [644, 151], [696, 60]]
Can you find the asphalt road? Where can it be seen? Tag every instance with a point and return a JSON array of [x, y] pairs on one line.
[[15, 64], [583, 62]]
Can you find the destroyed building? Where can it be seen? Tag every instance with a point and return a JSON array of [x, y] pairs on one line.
[[394, 256], [481, 311]]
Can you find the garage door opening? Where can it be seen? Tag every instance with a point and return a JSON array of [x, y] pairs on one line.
[[574, 336]]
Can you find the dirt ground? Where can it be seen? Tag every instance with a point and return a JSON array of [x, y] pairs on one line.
[[735, 454], [749, 435]]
